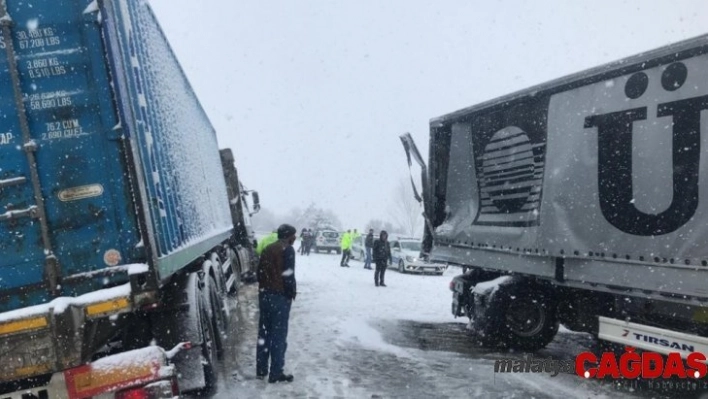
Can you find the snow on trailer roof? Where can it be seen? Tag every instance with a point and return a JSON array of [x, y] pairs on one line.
[[637, 62]]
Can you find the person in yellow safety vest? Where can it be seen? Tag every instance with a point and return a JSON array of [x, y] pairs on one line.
[[265, 241], [346, 246], [355, 235]]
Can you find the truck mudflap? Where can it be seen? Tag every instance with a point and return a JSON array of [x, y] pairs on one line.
[[653, 339], [141, 373], [56, 336]]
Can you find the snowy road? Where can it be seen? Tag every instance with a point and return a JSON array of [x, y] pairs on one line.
[[350, 339]]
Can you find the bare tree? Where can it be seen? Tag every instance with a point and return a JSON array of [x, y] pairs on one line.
[[376, 224], [405, 211], [389, 227], [312, 217], [316, 218], [264, 220]]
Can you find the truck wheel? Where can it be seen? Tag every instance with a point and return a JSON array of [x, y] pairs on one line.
[[209, 351], [518, 317], [400, 266], [219, 272], [219, 317], [236, 269]]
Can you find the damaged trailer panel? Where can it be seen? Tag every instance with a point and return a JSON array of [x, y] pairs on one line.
[[596, 178]]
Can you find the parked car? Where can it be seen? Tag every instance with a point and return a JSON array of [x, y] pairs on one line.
[[358, 247], [405, 254], [327, 240]]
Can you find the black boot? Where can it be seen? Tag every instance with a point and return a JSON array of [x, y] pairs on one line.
[[281, 378]]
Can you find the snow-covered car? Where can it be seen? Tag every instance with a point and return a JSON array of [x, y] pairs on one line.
[[358, 247], [405, 254], [327, 240]]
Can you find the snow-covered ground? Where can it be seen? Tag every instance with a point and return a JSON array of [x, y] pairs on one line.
[[350, 339]]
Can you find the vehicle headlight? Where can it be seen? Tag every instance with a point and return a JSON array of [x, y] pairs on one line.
[[411, 259]]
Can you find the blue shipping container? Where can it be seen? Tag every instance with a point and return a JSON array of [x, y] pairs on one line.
[[106, 156]]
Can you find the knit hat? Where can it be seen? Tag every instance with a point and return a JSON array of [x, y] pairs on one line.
[[285, 231]]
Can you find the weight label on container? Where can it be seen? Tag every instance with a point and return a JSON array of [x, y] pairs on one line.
[[81, 192], [45, 67], [37, 38], [38, 102]]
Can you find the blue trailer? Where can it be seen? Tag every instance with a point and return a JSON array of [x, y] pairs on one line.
[[119, 225]]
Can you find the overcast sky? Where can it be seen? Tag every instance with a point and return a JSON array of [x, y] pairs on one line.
[[312, 95]]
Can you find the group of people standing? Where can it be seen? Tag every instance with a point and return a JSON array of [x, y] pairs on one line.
[[307, 240], [378, 250]]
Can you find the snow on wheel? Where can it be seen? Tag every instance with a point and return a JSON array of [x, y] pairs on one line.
[[236, 270], [219, 315], [208, 348], [515, 313]]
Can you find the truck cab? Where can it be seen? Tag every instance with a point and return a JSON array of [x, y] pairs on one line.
[[243, 241]]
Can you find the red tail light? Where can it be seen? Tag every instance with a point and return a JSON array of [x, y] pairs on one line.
[[452, 285], [161, 389], [137, 393]]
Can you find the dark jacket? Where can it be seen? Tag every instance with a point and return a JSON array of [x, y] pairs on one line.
[[276, 270], [369, 241], [382, 251]]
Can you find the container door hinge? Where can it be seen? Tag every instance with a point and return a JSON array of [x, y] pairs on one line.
[[52, 274]]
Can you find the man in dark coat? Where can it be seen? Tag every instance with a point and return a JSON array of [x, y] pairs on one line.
[[368, 244], [310, 241], [303, 241], [382, 258], [276, 291]]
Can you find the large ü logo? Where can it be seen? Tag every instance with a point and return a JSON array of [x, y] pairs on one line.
[[614, 129]]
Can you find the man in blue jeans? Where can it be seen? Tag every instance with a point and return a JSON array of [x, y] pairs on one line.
[[368, 244], [276, 291]]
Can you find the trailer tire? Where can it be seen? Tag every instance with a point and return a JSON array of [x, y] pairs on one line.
[[218, 315], [218, 271], [520, 316], [236, 269], [209, 351]]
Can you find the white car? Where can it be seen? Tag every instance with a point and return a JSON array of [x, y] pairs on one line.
[[327, 241], [405, 254], [359, 247]]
